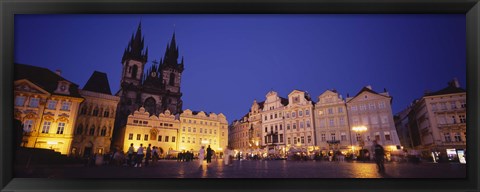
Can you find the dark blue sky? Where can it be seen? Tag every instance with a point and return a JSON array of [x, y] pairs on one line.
[[230, 60]]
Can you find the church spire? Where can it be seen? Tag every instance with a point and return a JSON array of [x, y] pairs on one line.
[[171, 54], [135, 47]]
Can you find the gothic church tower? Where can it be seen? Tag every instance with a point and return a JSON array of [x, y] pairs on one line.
[[157, 90]]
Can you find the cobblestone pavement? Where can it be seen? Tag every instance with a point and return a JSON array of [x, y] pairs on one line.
[[254, 169]]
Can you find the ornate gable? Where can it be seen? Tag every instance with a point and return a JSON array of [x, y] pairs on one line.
[[24, 85]]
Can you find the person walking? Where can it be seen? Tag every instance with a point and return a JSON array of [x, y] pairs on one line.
[[209, 154], [379, 156], [148, 155], [155, 155], [201, 156], [131, 150], [139, 156]]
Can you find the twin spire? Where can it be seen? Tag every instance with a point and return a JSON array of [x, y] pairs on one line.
[[135, 51]]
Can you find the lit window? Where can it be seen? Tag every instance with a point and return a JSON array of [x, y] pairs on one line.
[[34, 102], [61, 127], [46, 126], [65, 106], [52, 104], [19, 101], [387, 135], [27, 126]]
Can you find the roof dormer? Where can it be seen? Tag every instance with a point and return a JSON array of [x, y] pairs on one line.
[[63, 87]]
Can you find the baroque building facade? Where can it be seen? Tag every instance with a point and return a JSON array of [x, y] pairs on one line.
[[160, 131], [94, 125], [157, 89], [47, 105], [372, 112], [273, 123], [332, 128], [436, 123], [300, 132], [188, 131], [202, 129]]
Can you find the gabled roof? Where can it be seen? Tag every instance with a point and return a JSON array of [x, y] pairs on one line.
[[447, 90], [98, 82], [284, 101], [260, 105], [367, 90], [44, 78]]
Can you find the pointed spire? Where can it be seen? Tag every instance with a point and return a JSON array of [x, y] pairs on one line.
[[135, 46]]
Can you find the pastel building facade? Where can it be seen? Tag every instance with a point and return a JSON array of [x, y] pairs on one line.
[[199, 129], [300, 131], [160, 131], [47, 105], [273, 123], [373, 112], [95, 122], [332, 128], [436, 122]]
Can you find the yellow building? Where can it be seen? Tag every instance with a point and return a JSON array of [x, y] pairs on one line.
[[47, 105], [94, 126], [201, 129], [185, 132], [161, 131]]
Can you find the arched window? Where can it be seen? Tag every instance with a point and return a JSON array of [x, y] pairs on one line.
[[92, 131], [84, 110], [134, 72], [95, 111], [171, 82], [150, 105], [79, 130], [106, 113], [104, 131]]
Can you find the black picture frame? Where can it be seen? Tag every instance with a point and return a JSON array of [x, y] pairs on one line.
[[9, 8]]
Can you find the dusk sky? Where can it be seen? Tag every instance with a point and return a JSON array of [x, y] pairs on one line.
[[230, 60]]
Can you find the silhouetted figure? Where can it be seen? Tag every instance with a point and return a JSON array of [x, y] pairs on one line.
[[209, 154], [379, 156]]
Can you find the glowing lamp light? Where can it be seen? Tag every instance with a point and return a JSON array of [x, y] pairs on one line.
[[52, 142], [359, 128]]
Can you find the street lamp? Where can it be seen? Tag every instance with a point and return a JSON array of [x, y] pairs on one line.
[[360, 129]]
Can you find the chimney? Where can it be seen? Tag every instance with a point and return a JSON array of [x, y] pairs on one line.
[[369, 87], [455, 83], [58, 72]]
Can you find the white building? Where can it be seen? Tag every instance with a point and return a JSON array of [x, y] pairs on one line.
[[372, 112]]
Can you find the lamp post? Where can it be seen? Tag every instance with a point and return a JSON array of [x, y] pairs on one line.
[[359, 130]]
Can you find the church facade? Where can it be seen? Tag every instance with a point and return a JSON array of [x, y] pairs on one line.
[[156, 88]]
